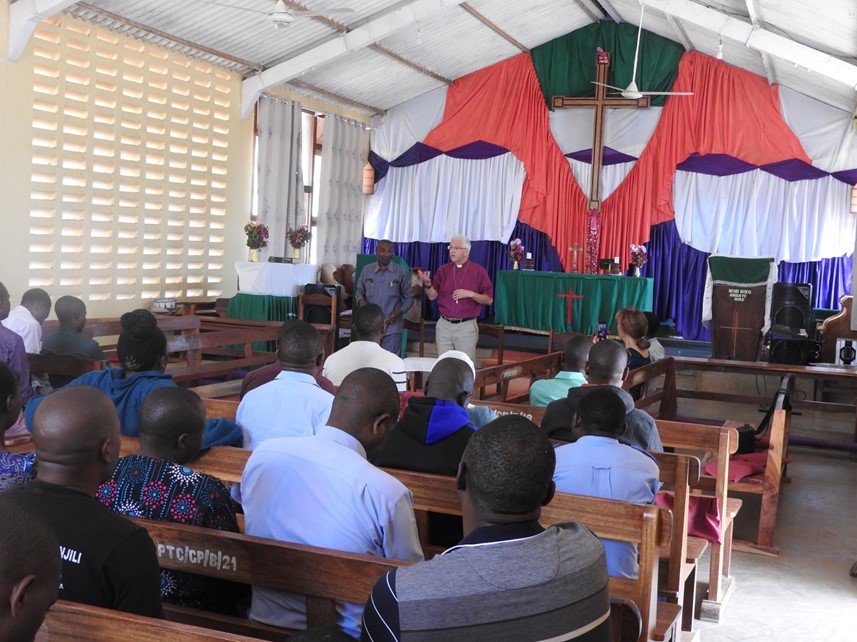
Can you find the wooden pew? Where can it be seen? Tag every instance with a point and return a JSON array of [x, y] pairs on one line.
[[716, 442], [678, 474], [65, 366], [212, 324], [70, 621], [654, 390], [533, 413], [767, 483], [220, 344], [536, 368], [647, 526]]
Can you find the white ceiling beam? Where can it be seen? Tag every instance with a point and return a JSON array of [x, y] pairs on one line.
[[681, 34], [755, 13], [363, 36], [612, 11], [758, 39], [24, 15]]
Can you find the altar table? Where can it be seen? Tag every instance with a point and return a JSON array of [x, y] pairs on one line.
[[277, 279], [540, 300]]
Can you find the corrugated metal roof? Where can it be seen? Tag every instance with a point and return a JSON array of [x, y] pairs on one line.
[[452, 42]]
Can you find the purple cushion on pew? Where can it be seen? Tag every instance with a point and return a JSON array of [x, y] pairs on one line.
[[703, 519]]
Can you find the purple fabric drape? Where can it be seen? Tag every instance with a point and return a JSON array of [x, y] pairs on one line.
[[679, 272], [830, 278], [491, 255]]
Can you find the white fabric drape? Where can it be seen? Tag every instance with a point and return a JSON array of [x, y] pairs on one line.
[[281, 188], [625, 130], [611, 175], [340, 191], [431, 201], [826, 133], [759, 214], [408, 123]]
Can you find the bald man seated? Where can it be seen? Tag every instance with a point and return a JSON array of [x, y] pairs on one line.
[[29, 572], [607, 367], [434, 430], [157, 484], [107, 560], [321, 490]]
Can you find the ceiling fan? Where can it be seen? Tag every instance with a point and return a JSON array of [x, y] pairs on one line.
[[283, 14], [631, 91]]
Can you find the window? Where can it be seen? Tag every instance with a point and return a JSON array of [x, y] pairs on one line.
[[129, 167], [312, 133]]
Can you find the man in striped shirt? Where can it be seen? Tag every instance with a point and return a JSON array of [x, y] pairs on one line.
[[509, 578]]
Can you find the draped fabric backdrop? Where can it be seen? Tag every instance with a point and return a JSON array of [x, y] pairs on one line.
[[281, 186], [739, 168], [340, 190]]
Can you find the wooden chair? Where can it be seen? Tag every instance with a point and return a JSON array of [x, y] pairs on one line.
[[308, 301]]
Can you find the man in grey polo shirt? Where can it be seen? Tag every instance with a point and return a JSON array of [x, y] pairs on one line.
[[388, 285]]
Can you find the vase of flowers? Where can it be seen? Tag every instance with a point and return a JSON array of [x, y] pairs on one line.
[[257, 238], [516, 253], [639, 256], [298, 237]]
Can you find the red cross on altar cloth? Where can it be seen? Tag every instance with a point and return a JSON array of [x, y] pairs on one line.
[[570, 303]]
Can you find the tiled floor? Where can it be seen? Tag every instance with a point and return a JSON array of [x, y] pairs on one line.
[[805, 594]]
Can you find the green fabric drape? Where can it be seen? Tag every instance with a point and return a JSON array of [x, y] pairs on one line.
[[526, 299], [262, 307], [566, 66]]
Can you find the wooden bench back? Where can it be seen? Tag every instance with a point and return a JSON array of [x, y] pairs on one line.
[[75, 621], [216, 408], [662, 393], [63, 365], [533, 413], [535, 368]]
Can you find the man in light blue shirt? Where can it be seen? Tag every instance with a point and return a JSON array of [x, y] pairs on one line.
[[293, 404], [388, 285], [575, 353], [596, 464], [322, 491]]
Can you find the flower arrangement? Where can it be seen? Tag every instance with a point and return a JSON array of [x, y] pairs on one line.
[[299, 236], [516, 250], [638, 255], [257, 235]]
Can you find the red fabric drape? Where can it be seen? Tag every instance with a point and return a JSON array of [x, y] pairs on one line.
[[732, 112], [503, 104]]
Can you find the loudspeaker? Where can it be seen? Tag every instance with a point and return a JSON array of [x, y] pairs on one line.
[[790, 350], [321, 313], [788, 346], [791, 305]]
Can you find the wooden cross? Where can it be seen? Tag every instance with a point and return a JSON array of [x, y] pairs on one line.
[[569, 303], [574, 250], [736, 329], [600, 102]]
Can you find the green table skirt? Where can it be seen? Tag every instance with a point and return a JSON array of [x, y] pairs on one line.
[[262, 307], [531, 300]]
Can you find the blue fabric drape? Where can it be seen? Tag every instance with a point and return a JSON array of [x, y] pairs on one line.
[[491, 255]]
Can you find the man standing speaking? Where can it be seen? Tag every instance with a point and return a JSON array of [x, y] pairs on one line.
[[461, 288], [387, 285]]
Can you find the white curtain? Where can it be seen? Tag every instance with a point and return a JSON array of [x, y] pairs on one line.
[[433, 200], [340, 191], [611, 175], [408, 123], [758, 214], [281, 186]]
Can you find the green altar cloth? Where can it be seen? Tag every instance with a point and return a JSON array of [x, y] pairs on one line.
[[524, 299], [262, 307]]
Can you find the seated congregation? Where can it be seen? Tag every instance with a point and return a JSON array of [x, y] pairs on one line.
[[327, 469]]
